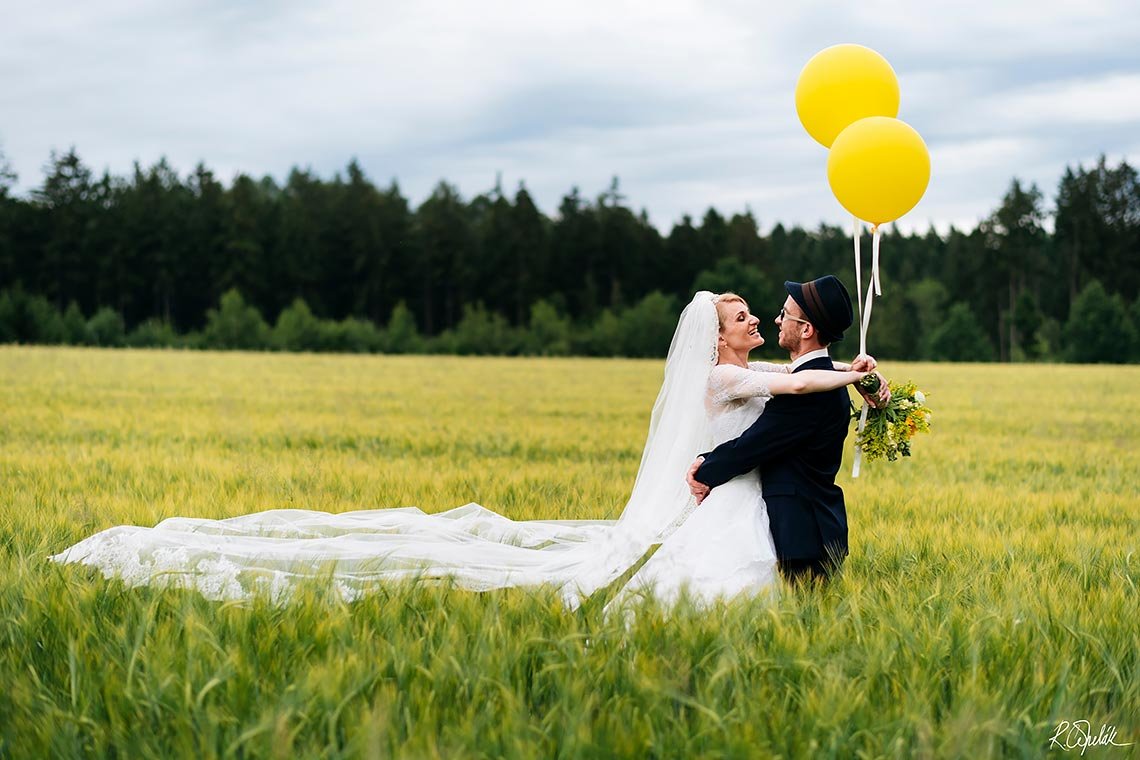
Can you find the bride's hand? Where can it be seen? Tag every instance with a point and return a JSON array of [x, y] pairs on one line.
[[881, 397], [863, 363]]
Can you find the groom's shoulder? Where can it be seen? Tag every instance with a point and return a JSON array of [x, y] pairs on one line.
[[823, 362]]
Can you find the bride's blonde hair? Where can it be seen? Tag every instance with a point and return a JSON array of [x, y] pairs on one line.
[[725, 298]]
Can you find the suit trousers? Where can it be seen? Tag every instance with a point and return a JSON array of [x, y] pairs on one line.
[[799, 571]]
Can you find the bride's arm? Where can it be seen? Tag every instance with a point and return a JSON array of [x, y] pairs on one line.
[[861, 363], [811, 381], [729, 382]]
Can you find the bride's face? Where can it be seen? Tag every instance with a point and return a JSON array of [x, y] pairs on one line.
[[740, 331]]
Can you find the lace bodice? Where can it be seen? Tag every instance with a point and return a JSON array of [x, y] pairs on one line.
[[736, 397]]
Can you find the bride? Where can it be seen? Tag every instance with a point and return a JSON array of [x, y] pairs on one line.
[[709, 395]]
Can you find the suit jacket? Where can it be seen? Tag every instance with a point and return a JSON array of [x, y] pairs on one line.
[[797, 444]]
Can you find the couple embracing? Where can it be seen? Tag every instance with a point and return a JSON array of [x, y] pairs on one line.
[[762, 500]]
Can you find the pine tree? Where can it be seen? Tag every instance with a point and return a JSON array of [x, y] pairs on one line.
[[1098, 329]]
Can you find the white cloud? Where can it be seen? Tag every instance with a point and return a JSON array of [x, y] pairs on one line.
[[689, 102], [968, 157], [1112, 99]]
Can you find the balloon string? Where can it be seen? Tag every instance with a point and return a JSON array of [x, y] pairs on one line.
[[865, 320], [855, 236], [859, 449], [874, 288], [875, 258]]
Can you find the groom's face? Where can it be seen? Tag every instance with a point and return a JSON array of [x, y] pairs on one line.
[[791, 329]]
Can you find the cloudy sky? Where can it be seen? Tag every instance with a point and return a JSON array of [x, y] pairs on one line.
[[689, 103]]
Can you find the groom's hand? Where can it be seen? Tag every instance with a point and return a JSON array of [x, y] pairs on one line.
[[697, 488]]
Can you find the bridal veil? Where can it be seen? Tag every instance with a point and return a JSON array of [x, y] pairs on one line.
[[269, 552]]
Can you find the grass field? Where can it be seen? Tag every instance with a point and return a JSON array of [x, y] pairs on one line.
[[991, 591]]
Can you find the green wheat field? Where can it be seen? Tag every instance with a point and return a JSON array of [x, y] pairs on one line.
[[991, 592]]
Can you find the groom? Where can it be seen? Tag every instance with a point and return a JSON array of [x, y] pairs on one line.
[[797, 443]]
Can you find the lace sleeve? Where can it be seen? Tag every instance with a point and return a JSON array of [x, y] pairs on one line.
[[780, 369], [728, 382]]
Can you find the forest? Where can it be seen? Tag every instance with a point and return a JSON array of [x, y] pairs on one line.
[[344, 264]]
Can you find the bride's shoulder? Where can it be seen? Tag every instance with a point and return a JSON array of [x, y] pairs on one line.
[[728, 370], [728, 382], [724, 374], [780, 369]]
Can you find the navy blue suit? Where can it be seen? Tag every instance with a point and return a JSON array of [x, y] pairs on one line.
[[797, 444]]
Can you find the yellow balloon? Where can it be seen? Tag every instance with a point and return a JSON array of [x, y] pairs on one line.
[[878, 169], [842, 84]]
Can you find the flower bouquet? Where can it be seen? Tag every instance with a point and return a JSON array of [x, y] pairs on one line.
[[888, 430]]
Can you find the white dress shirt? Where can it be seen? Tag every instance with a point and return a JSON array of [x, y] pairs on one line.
[[809, 356]]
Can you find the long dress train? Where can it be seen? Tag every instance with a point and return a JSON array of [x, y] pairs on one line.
[[269, 552]]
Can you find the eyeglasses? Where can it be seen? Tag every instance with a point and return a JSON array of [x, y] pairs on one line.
[[784, 315]]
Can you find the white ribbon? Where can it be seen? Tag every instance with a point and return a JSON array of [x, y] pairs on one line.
[[857, 237], [874, 288], [858, 450]]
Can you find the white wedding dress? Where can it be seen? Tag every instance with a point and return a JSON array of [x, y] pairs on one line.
[[724, 547], [720, 548]]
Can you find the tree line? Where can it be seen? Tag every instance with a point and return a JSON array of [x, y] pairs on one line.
[[340, 264]]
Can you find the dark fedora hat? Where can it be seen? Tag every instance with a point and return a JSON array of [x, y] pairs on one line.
[[826, 305]]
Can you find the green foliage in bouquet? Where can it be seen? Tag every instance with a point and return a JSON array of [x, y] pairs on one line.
[[888, 430]]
